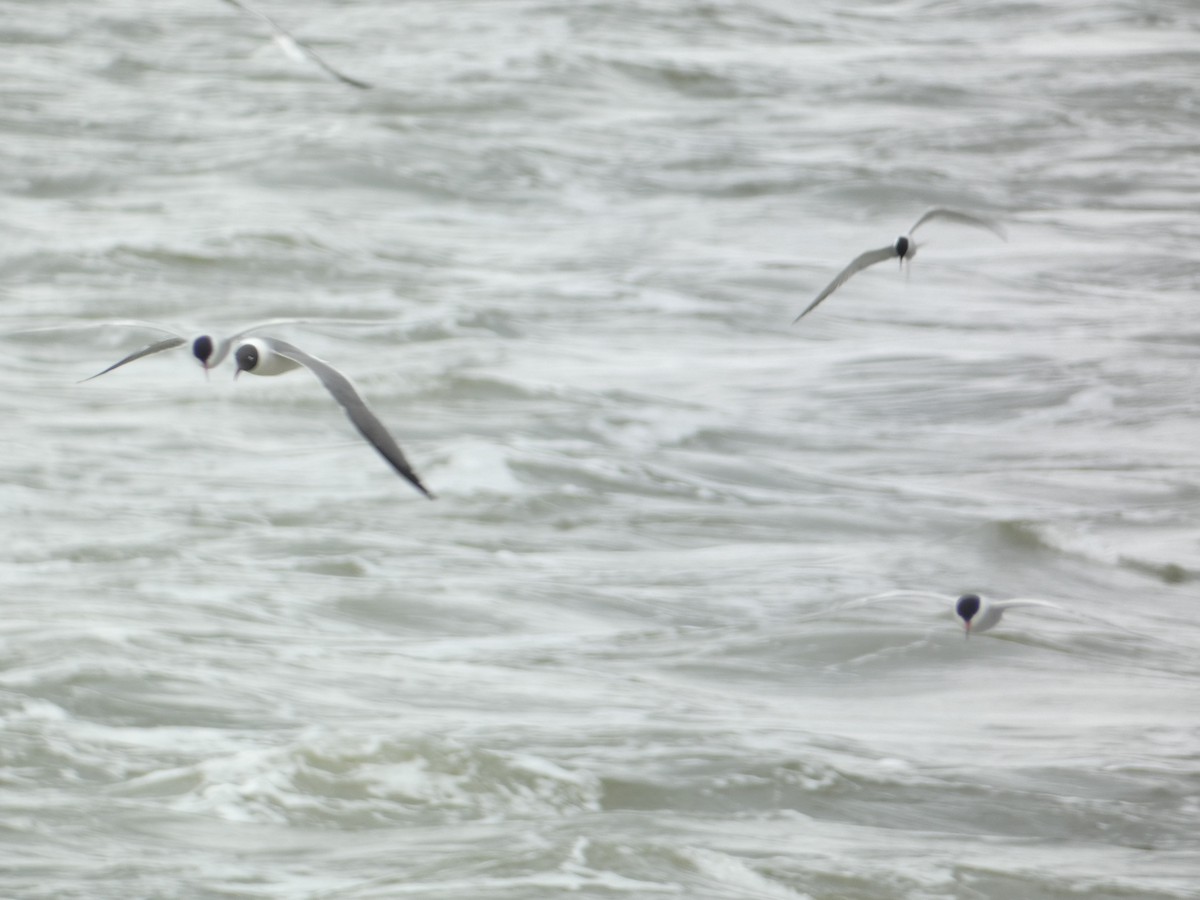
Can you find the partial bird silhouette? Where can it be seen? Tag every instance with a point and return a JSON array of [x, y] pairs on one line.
[[296, 50]]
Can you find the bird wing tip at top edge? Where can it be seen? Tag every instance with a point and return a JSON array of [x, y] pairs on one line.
[[297, 49]]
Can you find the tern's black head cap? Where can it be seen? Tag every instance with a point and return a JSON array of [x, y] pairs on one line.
[[902, 245], [202, 348], [967, 606], [247, 357]]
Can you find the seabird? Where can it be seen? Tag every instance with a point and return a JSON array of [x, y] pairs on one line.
[[905, 248], [296, 50], [207, 350], [979, 614]]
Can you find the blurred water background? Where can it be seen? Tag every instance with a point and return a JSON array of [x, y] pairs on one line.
[[628, 652]]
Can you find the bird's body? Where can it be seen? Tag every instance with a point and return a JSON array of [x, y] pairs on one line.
[[269, 356], [904, 248]]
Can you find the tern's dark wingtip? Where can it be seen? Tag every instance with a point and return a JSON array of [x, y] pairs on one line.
[[415, 482]]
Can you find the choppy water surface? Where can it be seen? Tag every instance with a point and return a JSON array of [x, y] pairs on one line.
[[627, 652]]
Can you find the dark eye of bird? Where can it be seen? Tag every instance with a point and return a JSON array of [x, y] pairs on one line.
[[202, 348], [247, 357]]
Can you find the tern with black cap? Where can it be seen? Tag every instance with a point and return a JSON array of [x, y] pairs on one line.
[[904, 248], [296, 50], [979, 614]]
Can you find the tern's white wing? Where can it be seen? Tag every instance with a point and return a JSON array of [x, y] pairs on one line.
[[157, 347], [223, 345], [82, 326], [1023, 601], [951, 215], [897, 594], [294, 48], [860, 262], [360, 415]]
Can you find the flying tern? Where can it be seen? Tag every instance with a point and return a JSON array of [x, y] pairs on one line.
[[979, 614], [207, 350], [904, 249], [294, 49]]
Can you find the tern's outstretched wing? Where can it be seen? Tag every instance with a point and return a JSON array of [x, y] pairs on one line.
[[860, 262], [1024, 601], [294, 48], [359, 414], [156, 347], [951, 215], [222, 346]]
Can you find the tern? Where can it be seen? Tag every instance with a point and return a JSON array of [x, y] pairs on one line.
[[905, 248], [269, 356], [979, 614], [294, 49]]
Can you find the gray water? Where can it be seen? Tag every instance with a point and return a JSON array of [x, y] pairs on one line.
[[630, 650]]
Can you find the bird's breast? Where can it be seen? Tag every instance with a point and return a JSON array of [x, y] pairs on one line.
[[274, 364]]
